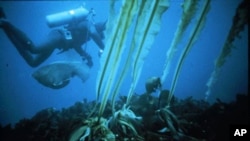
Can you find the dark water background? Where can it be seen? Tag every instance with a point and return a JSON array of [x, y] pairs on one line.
[[22, 96]]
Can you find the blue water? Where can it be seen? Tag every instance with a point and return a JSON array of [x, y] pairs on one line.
[[21, 96]]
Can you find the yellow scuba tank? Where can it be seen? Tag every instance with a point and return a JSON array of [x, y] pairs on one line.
[[66, 17]]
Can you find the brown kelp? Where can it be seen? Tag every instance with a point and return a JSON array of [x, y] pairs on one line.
[[239, 21], [125, 122], [189, 9], [147, 26], [93, 129], [117, 29], [198, 25]]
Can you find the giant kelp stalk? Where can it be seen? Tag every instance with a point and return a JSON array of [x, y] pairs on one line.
[[198, 25], [146, 28], [145, 11], [117, 33], [239, 21], [189, 10]]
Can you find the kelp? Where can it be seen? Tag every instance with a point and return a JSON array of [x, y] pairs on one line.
[[193, 37], [146, 28], [125, 122], [189, 9], [117, 32], [151, 13], [84, 130], [145, 12], [93, 130], [239, 21]]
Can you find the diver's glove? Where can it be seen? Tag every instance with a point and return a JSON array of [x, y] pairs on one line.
[[89, 60], [2, 14], [100, 52], [90, 63]]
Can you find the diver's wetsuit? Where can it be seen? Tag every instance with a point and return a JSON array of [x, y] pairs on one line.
[[34, 55]]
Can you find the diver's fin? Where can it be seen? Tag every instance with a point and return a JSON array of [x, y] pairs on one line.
[[2, 14]]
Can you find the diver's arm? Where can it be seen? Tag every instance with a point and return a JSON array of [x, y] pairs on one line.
[[84, 55], [96, 37], [81, 52]]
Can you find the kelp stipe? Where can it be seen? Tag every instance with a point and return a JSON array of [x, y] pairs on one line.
[[117, 28], [189, 9], [193, 36], [147, 27], [239, 21], [151, 12]]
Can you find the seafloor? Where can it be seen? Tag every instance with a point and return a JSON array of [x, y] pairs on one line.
[[185, 119]]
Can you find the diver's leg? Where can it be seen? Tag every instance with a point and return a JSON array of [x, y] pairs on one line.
[[33, 55], [2, 14], [17, 37], [39, 58], [35, 60], [22, 43], [46, 47]]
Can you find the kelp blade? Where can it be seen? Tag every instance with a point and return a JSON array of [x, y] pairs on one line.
[[147, 27], [110, 61], [193, 36], [189, 9], [239, 21]]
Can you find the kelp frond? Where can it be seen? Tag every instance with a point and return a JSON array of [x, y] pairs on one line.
[[117, 32], [193, 36], [147, 27], [189, 9], [239, 21]]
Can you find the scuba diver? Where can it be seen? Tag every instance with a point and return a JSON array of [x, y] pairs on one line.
[[78, 29]]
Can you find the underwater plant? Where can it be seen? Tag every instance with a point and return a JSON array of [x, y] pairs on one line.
[[111, 57], [189, 10], [143, 19], [147, 25], [199, 24], [93, 129], [126, 124], [239, 21]]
